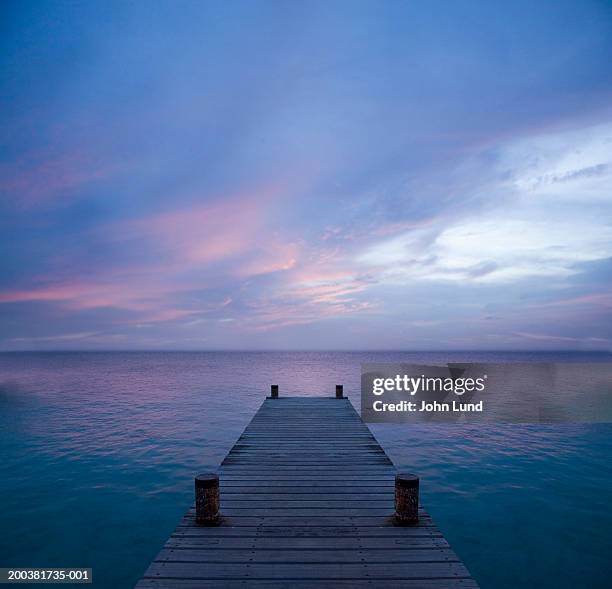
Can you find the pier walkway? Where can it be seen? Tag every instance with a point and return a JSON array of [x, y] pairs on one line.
[[307, 499]]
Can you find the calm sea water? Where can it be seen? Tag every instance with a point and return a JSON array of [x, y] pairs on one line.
[[99, 452]]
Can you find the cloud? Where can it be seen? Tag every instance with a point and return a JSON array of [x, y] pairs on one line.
[[57, 338], [43, 178], [333, 190], [180, 250], [588, 172], [180, 265], [568, 165], [528, 234]]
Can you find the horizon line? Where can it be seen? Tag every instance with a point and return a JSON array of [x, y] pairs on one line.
[[303, 350]]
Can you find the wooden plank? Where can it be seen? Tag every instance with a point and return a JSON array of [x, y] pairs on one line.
[[298, 450], [334, 514], [255, 494], [301, 584], [303, 555], [242, 516], [257, 570], [281, 503], [306, 479], [307, 497], [354, 477], [305, 520], [306, 532], [319, 543], [303, 458], [313, 469], [286, 485]]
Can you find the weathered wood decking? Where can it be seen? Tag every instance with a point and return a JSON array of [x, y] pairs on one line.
[[307, 497]]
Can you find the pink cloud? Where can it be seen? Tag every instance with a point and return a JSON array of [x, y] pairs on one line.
[[148, 306], [42, 176], [180, 249], [200, 235], [309, 295], [234, 230], [595, 300], [222, 245]]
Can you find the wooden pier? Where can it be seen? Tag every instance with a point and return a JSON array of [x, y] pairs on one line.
[[307, 500]]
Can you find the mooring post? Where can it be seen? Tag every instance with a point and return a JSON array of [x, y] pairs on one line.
[[274, 391], [406, 498], [339, 391], [207, 499]]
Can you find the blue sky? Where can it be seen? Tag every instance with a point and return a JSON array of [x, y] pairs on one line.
[[288, 175]]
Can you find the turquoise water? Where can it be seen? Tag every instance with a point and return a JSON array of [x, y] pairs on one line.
[[99, 452]]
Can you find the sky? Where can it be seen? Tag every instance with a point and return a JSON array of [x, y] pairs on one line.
[[306, 175]]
